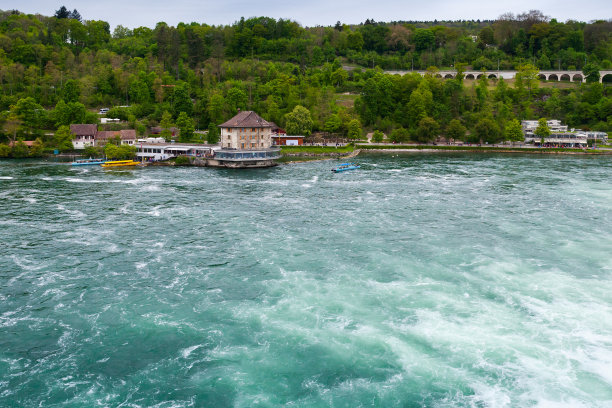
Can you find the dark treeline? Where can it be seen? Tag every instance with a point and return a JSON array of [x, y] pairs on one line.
[[55, 70]]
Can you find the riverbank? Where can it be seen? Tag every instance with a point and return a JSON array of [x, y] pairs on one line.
[[479, 149]]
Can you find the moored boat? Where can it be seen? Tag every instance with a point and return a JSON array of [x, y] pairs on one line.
[[120, 163], [346, 167], [87, 162]]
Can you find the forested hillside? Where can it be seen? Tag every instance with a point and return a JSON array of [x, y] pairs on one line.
[[59, 70]]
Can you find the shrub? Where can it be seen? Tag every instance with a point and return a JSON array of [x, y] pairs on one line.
[[182, 161]]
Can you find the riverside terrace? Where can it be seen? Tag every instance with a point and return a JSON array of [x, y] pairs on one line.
[[578, 140], [164, 151], [209, 155]]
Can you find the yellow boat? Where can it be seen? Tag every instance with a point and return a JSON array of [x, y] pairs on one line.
[[120, 163]]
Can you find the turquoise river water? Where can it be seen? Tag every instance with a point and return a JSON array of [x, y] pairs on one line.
[[421, 280]]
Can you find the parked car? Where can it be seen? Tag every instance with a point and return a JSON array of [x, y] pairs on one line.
[[103, 111]]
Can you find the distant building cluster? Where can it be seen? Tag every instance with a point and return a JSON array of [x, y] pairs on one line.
[[88, 135], [560, 136]]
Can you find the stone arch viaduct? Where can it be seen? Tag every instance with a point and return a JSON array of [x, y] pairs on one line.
[[570, 76]]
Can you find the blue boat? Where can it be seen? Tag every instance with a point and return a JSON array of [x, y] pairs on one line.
[[88, 162], [346, 167]]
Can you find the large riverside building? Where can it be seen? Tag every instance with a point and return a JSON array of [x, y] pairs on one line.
[[246, 141], [555, 126]]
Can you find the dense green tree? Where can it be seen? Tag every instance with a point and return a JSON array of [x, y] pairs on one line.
[[236, 99], [542, 131], [186, 127], [121, 152], [212, 137], [62, 139], [354, 129], [299, 121], [399, 135], [513, 131], [165, 124], [427, 130], [182, 100], [5, 151], [30, 113], [591, 73], [487, 131], [455, 130], [71, 91], [377, 136], [333, 124], [20, 150]]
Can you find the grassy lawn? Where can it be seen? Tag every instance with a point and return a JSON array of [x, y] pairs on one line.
[[346, 100], [316, 149]]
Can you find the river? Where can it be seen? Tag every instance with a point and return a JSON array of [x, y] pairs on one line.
[[434, 280]]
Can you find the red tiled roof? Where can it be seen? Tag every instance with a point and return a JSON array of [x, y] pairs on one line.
[[83, 129], [106, 134], [246, 119], [28, 143], [127, 134]]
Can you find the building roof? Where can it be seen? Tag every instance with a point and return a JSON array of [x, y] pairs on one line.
[[28, 143], [125, 134], [156, 130], [128, 134], [283, 136], [83, 129], [246, 119]]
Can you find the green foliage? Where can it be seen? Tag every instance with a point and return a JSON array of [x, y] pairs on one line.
[[542, 131], [212, 137], [299, 121], [182, 161], [71, 91], [272, 66], [186, 127], [399, 135], [427, 130], [513, 131], [62, 139], [166, 124], [487, 131], [70, 113], [5, 151], [93, 152], [30, 112], [123, 152], [455, 130], [333, 123], [354, 129], [378, 136], [20, 150], [37, 148], [591, 73]]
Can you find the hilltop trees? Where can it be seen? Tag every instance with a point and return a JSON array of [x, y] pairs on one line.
[[59, 70]]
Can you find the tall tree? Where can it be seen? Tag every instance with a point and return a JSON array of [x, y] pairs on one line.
[[542, 131], [513, 131], [63, 12], [299, 121]]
